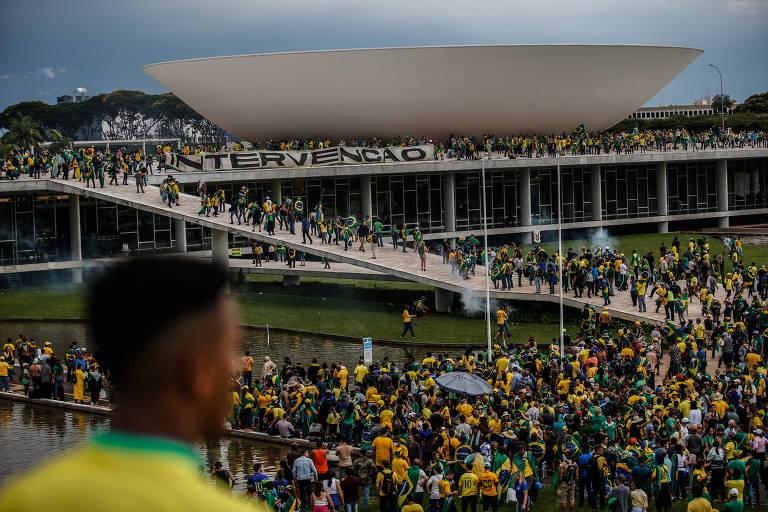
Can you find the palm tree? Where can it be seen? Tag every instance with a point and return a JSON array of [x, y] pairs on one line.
[[58, 141], [24, 132], [6, 149]]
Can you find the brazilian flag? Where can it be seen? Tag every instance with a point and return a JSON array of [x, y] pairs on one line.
[[623, 470], [406, 488], [580, 133], [502, 466], [538, 449]]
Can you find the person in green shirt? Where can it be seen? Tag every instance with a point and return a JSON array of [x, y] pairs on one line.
[[734, 504], [378, 232], [753, 477]]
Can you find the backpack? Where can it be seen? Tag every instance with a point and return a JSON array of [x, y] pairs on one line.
[[387, 484], [592, 469], [570, 474]]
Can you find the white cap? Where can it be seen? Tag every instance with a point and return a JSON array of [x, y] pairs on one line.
[[734, 492]]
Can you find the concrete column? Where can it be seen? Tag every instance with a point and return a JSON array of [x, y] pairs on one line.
[[75, 240], [597, 199], [662, 199], [443, 300], [276, 187], [722, 192], [525, 197], [449, 201], [365, 197], [181, 235], [291, 280], [220, 248], [597, 193]]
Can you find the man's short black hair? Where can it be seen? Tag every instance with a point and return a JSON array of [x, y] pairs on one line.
[[123, 314]]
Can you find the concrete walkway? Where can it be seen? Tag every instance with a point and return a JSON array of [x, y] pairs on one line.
[[388, 261]]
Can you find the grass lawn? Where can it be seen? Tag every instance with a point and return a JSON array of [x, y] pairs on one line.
[[313, 306], [646, 242]]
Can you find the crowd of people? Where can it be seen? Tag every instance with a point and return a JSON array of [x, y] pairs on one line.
[[91, 165], [673, 278], [629, 416], [579, 142], [606, 423], [87, 164]]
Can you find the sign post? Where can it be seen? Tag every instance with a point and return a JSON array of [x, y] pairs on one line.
[[368, 351]]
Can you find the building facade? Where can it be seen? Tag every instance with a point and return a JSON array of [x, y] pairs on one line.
[[615, 193]]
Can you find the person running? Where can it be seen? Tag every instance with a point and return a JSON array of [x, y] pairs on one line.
[[407, 322]]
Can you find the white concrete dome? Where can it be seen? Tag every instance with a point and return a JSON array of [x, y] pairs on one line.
[[423, 91]]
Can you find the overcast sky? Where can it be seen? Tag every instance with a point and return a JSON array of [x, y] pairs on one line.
[[50, 47]]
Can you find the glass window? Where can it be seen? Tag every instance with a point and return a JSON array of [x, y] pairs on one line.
[[127, 220], [146, 226]]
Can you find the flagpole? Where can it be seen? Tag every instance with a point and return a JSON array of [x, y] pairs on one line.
[[487, 281]]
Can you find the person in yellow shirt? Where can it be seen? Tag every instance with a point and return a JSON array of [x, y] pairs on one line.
[[469, 491], [148, 460], [383, 450], [411, 505], [488, 487], [78, 388], [407, 324], [400, 468], [753, 359], [385, 417], [699, 503], [360, 372], [4, 378], [501, 324], [501, 365], [464, 408]]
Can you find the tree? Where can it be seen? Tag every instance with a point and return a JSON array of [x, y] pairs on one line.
[[38, 111], [207, 132], [58, 141], [175, 117], [756, 104], [718, 101], [24, 132], [127, 114]]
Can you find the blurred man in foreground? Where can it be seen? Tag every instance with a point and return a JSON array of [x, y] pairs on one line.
[[171, 367]]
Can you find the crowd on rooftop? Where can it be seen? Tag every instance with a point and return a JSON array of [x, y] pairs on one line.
[[579, 142]]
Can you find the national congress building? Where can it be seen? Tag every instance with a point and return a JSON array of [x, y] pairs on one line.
[[431, 92]]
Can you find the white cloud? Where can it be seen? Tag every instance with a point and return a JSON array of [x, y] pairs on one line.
[[46, 72], [5, 76]]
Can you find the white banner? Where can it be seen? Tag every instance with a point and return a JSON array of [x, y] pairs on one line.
[[368, 351], [338, 155]]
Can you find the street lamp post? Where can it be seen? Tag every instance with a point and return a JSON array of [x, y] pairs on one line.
[[722, 98], [487, 282], [560, 259]]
